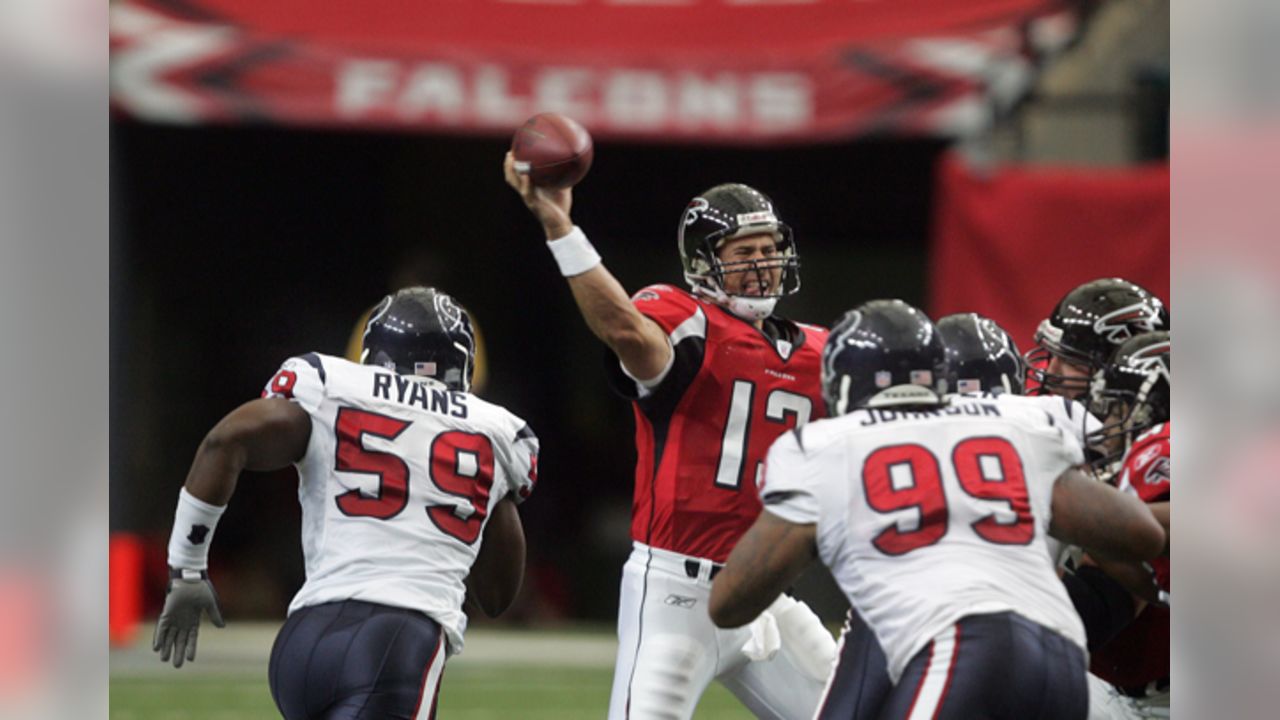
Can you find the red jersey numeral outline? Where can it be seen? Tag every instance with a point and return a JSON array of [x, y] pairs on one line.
[[352, 456], [925, 494], [471, 485], [470, 482]]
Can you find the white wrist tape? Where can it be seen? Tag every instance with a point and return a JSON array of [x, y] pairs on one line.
[[193, 525], [574, 253]]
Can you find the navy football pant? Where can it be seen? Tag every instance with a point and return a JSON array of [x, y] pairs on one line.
[[353, 659], [858, 687], [993, 667]]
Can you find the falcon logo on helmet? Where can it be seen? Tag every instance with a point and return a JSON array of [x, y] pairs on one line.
[[1153, 361], [1126, 322], [1084, 329]]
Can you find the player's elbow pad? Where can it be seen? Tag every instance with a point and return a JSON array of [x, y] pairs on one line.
[[1104, 605]]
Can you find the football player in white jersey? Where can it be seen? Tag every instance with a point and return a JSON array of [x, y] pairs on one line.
[[983, 360], [932, 513], [408, 485]]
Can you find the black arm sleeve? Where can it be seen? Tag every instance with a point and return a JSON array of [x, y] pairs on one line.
[[686, 361]]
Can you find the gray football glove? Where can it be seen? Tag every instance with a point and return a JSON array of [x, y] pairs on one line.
[[189, 594]]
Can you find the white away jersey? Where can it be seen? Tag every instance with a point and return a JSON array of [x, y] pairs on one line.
[[1070, 415], [926, 517], [397, 483]]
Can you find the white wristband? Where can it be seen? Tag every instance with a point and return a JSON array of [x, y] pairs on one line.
[[193, 525], [574, 253]]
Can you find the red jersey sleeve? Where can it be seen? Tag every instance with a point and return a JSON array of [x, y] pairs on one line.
[[1146, 467], [685, 323], [666, 305]]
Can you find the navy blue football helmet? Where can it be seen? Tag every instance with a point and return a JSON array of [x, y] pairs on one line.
[[980, 355], [882, 353], [424, 332]]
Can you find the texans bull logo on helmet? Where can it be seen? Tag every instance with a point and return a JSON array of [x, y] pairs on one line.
[[449, 312]]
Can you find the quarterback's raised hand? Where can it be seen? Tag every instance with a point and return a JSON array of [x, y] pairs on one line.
[[551, 207], [189, 595]]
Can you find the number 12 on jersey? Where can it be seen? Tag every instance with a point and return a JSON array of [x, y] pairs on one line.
[[460, 464], [737, 428]]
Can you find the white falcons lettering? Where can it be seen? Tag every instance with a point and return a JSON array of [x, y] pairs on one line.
[[629, 99]]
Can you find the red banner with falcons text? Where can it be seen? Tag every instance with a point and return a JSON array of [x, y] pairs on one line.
[[1010, 242], [738, 71]]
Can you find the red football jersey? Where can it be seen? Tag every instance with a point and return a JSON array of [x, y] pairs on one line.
[[1139, 655], [703, 432]]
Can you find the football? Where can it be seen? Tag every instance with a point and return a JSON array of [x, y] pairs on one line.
[[553, 150]]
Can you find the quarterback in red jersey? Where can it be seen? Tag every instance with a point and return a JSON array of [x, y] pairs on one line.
[[1133, 391], [714, 378], [702, 433]]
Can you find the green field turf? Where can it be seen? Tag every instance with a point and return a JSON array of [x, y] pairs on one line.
[[469, 693], [504, 675]]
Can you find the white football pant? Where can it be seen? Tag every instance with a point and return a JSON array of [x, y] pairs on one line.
[[669, 650]]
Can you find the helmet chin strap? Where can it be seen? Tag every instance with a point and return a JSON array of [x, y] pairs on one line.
[[748, 308], [751, 308]]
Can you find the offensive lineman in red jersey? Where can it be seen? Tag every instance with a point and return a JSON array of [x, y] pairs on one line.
[[1078, 342], [1082, 333], [714, 378], [1133, 392]]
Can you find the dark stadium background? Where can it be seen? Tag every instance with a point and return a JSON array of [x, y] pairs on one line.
[[235, 248]]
